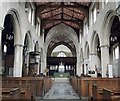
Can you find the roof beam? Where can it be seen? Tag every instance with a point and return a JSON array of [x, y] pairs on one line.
[[51, 26], [64, 6], [52, 20], [49, 11], [73, 17], [75, 11], [83, 8], [72, 25], [50, 16], [79, 26]]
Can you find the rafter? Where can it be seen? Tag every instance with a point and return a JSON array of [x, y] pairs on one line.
[[69, 13], [71, 25], [52, 20], [63, 15], [80, 4], [49, 11], [64, 6], [73, 17], [75, 11], [50, 16], [51, 25], [81, 8]]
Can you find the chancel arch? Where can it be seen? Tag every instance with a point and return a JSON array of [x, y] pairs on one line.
[[61, 49]]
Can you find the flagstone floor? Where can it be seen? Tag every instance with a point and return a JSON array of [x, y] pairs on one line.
[[61, 90]]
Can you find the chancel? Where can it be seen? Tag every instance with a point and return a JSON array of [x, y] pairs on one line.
[[60, 50]]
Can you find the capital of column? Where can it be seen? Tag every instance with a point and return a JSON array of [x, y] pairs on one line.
[[1, 28], [92, 54], [86, 58], [104, 46], [20, 45], [81, 61]]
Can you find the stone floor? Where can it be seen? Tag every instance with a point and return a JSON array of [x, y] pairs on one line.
[[61, 90]]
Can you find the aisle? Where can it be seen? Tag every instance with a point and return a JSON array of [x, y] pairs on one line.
[[60, 90]]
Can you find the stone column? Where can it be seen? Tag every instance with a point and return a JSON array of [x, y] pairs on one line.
[[18, 60], [81, 67], [1, 50], [92, 61], [1, 61], [43, 62], [33, 17], [86, 64], [104, 59], [78, 64]]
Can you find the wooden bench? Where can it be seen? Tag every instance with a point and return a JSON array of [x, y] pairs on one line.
[[96, 92], [47, 84], [111, 95], [74, 83], [85, 85], [10, 93], [97, 89], [25, 90], [35, 83]]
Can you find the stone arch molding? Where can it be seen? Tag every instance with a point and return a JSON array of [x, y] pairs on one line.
[[28, 35], [107, 26], [86, 50], [93, 42], [81, 55], [60, 30], [65, 44], [16, 25]]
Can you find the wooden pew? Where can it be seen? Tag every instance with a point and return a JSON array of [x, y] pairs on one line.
[[10, 93], [111, 95], [35, 82], [25, 90], [96, 92], [85, 85], [47, 84], [97, 89], [74, 83]]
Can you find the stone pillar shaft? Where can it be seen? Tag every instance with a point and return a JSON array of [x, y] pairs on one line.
[[18, 60], [104, 59], [1, 49]]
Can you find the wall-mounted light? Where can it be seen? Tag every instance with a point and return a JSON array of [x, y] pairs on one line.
[[9, 36], [113, 38], [98, 49]]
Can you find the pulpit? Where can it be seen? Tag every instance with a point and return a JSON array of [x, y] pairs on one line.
[[34, 67]]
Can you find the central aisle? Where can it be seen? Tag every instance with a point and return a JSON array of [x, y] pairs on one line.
[[61, 89]]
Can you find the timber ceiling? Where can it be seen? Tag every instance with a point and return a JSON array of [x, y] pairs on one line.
[[69, 13]]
